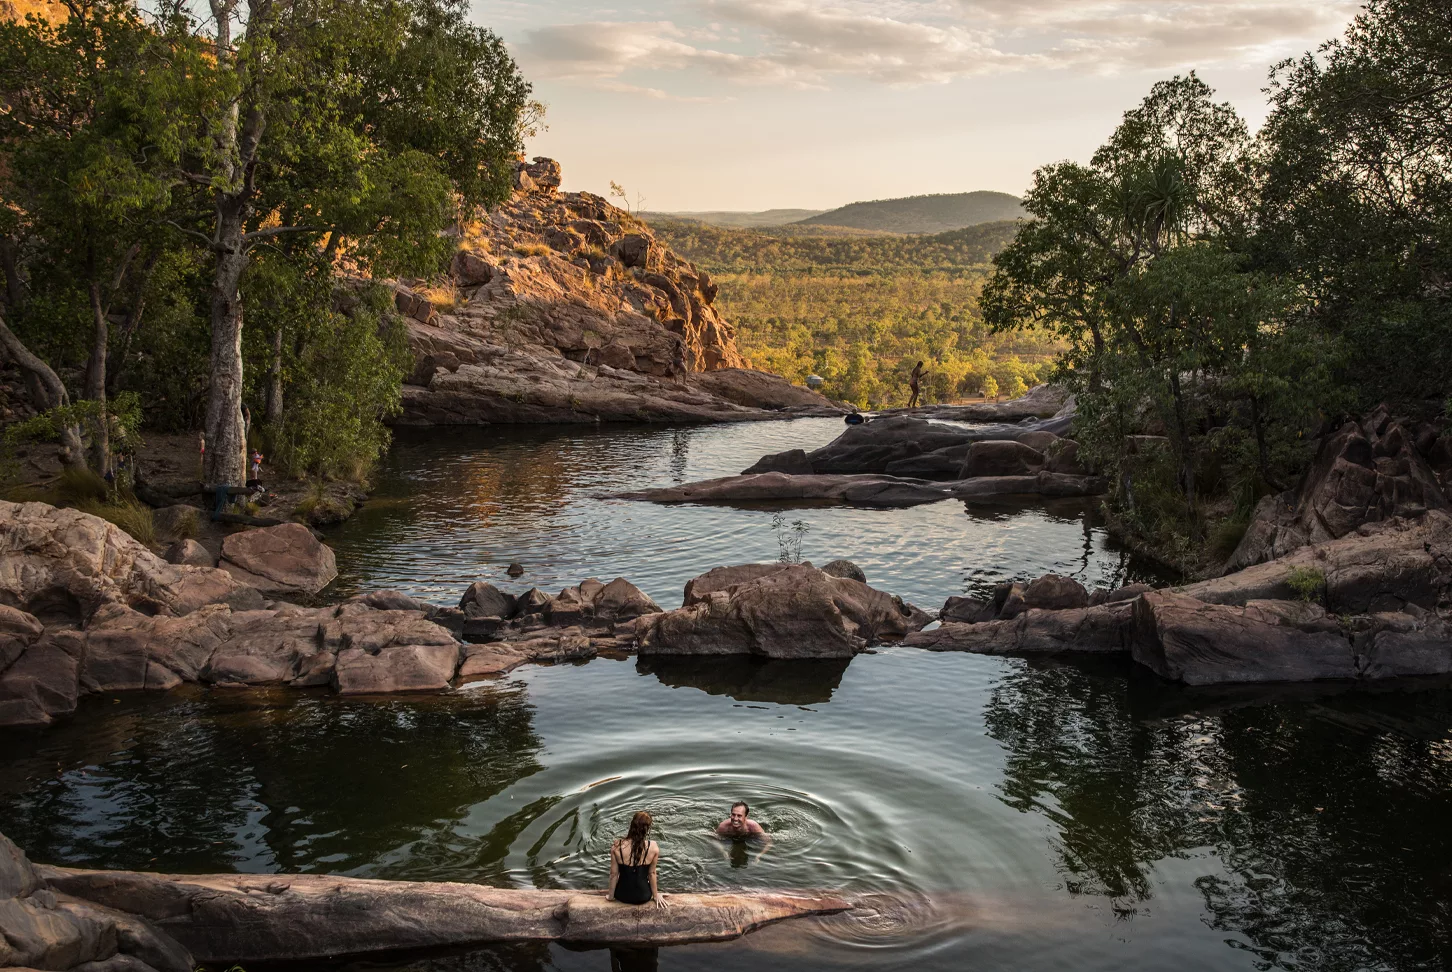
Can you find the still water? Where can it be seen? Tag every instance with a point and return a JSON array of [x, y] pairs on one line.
[[994, 813]]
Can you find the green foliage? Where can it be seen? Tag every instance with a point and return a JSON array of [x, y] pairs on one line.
[[788, 538], [344, 373], [861, 310], [1307, 582], [329, 139]]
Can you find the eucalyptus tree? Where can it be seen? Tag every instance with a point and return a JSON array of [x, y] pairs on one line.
[[94, 124], [357, 126]]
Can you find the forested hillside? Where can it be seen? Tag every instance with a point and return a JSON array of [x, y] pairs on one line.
[[739, 219], [935, 213], [860, 309]]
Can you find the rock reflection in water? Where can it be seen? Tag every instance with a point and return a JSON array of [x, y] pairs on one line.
[[258, 780], [806, 681], [1326, 807]]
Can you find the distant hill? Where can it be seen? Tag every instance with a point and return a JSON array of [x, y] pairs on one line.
[[738, 220], [937, 213], [830, 249]]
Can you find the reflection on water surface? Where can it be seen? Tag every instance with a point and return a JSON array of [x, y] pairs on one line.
[[991, 813]]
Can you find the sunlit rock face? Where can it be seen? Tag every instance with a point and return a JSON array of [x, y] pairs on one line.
[[562, 307]]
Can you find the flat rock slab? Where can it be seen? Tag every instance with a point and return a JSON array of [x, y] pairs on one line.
[[262, 918], [865, 489]]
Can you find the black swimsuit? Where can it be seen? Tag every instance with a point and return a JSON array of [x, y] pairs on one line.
[[633, 886]]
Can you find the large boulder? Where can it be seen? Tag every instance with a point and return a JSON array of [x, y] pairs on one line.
[[395, 668], [280, 560], [777, 611], [1198, 643], [1001, 458], [1367, 472], [60, 565]]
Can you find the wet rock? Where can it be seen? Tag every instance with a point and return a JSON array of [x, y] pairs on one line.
[[1367, 472], [253, 919], [1127, 593], [1105, 628], [190, 553], [968, 610], [778, 611], [484, 600], [1054, 592], [43, 929], [499, 658], [43, 683], [844, 568], [515, 570], [1198, 643], [282, 560], [1001, 458], [395, 668], [793, 462]]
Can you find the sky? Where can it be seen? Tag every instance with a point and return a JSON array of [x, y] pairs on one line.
[[761, 104]]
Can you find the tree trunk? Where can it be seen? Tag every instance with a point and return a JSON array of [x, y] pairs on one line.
[[1262, 450], [1182, 434], [226, 438], [46, 387], [116, 364], [274, 381], [96, 381]]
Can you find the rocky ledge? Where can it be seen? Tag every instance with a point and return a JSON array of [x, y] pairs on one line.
[[866, 489], [1368, 605], [562, 308], [85, 609], [897, 461], [126, 921]]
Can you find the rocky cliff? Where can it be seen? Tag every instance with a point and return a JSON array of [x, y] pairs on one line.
[[559, 307]]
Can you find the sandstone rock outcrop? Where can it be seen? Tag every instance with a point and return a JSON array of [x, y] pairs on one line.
[[1389, 585], [1368, 471], [280, 560], [61, 565], [257, 918], [563, 308], [776, 611]]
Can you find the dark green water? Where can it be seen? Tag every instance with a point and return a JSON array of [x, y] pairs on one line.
[[1000, 814]]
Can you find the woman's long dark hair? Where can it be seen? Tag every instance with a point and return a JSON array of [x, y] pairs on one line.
[[639, 830]]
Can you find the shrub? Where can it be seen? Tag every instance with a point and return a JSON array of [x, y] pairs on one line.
[[1226, 535], [78, 484], [1307, 582]]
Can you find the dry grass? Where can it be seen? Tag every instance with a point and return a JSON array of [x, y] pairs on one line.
[[135, 518], [532, 249], [444, 299]]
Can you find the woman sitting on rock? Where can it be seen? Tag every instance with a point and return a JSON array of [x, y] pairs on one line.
[[632, 865]]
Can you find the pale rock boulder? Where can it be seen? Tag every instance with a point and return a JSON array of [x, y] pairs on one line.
[[396, 668], [778, 611], [280, 560], [61, 565]]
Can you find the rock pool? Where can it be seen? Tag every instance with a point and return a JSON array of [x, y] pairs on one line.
[[996, 813]]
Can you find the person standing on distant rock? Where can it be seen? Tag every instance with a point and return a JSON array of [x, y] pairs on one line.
[[915, 381], [632, 865]]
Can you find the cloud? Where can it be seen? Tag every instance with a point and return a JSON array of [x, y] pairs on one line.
[[810, 43]]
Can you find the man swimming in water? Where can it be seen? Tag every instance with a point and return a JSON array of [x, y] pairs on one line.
[[739, 824]]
